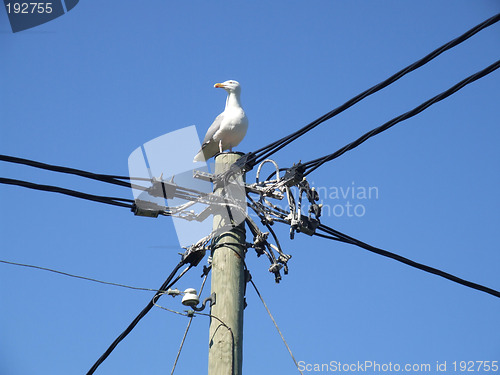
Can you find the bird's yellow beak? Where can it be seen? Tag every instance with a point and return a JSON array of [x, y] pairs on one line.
[[219, 85]]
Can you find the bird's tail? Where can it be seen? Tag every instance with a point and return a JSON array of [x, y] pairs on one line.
[[199, 156]]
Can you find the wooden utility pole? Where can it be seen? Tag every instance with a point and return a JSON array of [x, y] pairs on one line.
[[228, 283]]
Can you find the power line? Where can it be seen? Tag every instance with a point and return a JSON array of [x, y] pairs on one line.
[[314, 164], [121, 202], [312, 226], [253, 158], [339, 236], [76, 276], [113, 179], [192, 314], [167, 284], [182, 341], [276, 325], [177, 191]]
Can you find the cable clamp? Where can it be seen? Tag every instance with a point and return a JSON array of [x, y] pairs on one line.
[[259, 243], [146, 208], [308, 225], [275, 268], [293, 175], [161, 188], [173, 292], [245, 163]]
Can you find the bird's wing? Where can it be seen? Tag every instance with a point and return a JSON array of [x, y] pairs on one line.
[[209, 148], [213, 128]]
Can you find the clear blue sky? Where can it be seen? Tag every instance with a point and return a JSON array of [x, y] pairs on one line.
[[88, 88]]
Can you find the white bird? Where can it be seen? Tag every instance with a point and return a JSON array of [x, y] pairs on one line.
[[229, 128]]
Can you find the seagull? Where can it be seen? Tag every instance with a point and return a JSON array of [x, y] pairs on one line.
[[229, 128]]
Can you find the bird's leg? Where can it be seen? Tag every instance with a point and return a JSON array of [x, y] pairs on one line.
[[220, 146]]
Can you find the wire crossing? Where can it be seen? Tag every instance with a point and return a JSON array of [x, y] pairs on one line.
[[316, 163]]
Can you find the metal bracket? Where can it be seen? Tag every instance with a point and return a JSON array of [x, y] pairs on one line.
[[162, 189], [253, 188], [210, 299], [205, 176], [264, 191]]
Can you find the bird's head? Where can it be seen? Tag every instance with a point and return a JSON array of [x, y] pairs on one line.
[[229, 86]]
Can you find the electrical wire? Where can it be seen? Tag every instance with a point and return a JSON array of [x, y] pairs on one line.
[[180, 192], [113, 179], [167, 284], [194, 313], [170, 310], [114, 201], [182, 343], [263, 153], [316, 163], [276, 325], [77, 276], [331, 234], [345, 238], [334, 238]]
